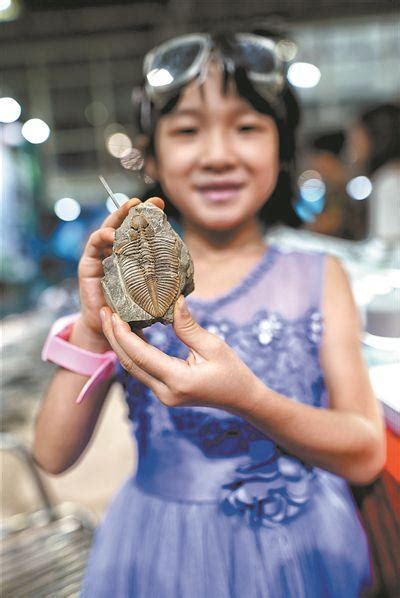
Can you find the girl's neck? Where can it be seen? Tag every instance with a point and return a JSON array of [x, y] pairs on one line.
[[217, 245]]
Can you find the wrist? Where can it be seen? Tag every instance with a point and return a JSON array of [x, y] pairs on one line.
[[85, 355], [85, 337], [246, 404]]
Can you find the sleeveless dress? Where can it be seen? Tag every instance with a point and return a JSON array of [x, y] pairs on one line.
[[216, 509]]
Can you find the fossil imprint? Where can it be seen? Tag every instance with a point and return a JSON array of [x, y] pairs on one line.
[[149, 268]]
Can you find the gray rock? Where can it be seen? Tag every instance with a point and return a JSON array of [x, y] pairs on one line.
[[149, 268]]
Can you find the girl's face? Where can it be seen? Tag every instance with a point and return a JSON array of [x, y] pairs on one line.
[[217, 158]]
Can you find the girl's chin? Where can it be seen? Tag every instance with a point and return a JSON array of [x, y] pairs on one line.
[[220, 222], [222, 219]]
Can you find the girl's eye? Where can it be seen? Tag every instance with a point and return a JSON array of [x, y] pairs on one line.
[[249, 127], [186, 131]]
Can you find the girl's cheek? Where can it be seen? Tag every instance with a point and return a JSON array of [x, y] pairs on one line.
[[258, 157], [184, 157], [172, 162]]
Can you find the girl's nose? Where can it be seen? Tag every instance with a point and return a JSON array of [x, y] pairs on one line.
[[218, 151]]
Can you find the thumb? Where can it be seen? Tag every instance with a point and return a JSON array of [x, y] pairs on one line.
[[190, 332]]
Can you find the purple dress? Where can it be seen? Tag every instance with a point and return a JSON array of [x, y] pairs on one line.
[[216, 509]]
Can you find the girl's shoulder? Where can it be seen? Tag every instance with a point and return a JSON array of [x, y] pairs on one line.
[[299, 262], [293, 284], [291, 252], [313, 270]]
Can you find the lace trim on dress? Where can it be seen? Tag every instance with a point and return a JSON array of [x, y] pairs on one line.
[[243, 286]]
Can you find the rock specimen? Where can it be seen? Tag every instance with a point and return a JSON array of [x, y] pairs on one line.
[[149, 268]]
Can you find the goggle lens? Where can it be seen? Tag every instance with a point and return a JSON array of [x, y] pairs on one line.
[[168, 66], [257, 59]]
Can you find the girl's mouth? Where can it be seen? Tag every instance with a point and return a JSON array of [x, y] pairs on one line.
[[220, 193]]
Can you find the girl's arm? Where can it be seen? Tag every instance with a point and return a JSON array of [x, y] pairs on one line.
[[347, 438], [63, 428]]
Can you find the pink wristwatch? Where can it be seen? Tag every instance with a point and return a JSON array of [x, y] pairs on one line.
[[57, 349]]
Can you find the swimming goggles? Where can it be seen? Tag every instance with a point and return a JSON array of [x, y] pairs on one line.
[[176, 62]]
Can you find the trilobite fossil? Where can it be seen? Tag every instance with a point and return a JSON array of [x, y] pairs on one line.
[[149, 268]]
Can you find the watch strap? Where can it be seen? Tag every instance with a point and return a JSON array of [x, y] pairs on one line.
[[58, 350]]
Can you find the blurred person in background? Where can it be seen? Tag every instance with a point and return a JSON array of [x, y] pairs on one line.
[[341, 216], [374, 150]]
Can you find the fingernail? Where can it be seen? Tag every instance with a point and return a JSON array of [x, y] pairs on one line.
[[103, 314], [115, 319]]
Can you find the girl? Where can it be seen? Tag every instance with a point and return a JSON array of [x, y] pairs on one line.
[[253, 410]]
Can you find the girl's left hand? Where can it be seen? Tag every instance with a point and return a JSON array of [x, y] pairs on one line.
[[212, 375]]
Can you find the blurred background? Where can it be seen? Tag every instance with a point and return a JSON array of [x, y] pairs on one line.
[[69, 76], [70, 72]]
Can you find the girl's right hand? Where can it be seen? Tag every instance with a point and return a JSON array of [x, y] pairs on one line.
[[90, 269]]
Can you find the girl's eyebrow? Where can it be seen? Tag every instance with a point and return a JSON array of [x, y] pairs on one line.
[[197, 112], [185, 112]]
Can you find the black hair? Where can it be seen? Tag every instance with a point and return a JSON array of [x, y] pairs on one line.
[[279, 206], [382, 124], [331, 142]]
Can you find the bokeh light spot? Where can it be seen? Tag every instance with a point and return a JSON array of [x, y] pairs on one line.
[[118, 145], [35, 130], [121, 199], [359, 188], [304, 74], [10, 110], [67, 209]]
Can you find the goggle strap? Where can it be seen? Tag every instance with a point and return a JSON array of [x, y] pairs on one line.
[[145, 114]]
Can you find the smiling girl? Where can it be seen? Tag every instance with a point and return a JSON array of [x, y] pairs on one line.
[[253, 411]]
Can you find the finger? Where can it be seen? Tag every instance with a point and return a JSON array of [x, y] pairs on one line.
[[115, 219], [157, 201], [98, 241], [103, 238], [192, 334], [139, 333], [146, 356], [107, 252], [123, 357]]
